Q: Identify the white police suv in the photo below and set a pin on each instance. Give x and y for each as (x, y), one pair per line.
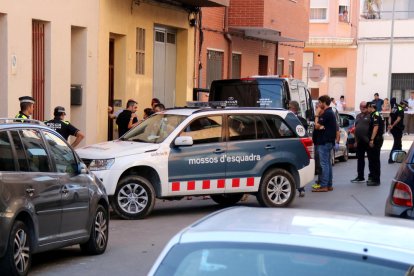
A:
(223, 153)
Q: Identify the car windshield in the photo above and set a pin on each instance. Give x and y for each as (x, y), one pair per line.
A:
(154, 129)
(265, 259)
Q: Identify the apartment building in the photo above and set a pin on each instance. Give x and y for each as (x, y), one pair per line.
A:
(331, 50)
(262, 37)
(385, 50)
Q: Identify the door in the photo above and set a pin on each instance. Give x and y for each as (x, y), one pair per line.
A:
(165, 59)
(214, 66)
(263, 65)
(337, 82)
(111, 87)
(75, 190)
(39, 182)
(200, 167)
(249, 142)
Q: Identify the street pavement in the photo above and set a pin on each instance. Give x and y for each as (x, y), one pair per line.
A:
(134, 245)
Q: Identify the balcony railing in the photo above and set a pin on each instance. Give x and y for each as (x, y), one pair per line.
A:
(387, 15)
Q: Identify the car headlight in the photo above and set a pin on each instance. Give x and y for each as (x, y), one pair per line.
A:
(101, 164)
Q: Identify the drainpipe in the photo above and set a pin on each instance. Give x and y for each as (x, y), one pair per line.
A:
(228, 37)
(277, 57)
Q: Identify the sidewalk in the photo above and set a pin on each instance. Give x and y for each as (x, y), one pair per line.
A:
(407, 140)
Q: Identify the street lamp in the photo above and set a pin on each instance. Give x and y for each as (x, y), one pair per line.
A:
(391, 49)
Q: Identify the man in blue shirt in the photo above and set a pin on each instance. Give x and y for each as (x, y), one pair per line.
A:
(378, 102)
(325, 123)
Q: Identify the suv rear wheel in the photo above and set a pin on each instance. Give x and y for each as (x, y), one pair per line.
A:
(277, 189)
(134, 198)
(227, 199)
(18, 256)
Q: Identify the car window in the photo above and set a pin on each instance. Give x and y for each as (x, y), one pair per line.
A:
(20, 151)
(35, 150)
(278, 127)
(247, 127)
(6, 153)
(61, 153)
(205, 130)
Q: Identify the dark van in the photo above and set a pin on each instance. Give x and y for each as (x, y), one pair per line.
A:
(263, 91)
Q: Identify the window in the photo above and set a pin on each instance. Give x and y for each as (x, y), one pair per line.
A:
(280, 67)
(140, 52)
(236, 66)
(343, 15)
(64, 159)
(278, 127)
(205, 130)
(6, 153)
(35, 150)
(214, 66)
(291, 68)
(20, 152)
(319, 10)
(338, 72)
(247, 127)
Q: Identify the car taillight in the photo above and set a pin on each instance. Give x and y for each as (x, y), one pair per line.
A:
(402, 195)
(308, 144)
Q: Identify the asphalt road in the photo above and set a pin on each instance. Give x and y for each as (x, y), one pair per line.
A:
(134, 245)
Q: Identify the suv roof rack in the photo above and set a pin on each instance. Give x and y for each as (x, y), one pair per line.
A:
(20, 120)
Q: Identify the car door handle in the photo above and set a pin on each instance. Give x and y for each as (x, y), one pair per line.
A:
(65, 190)
(219, 151)
(268, 147)
(30, 191)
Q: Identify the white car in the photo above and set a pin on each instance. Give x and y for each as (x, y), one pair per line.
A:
(223, 153)
(259, 241)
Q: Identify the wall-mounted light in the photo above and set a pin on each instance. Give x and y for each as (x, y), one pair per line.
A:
(192, 19)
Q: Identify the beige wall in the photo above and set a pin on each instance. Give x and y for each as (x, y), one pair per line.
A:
(59, 17)
(118, 21)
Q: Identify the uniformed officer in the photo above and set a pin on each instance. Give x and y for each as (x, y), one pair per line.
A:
(64, 128)
(26, 107)
(397, 126)
(375, 132)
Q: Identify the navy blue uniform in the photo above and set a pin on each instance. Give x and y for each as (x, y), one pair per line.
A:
(64, 128)
(374, 152)
(397, 130)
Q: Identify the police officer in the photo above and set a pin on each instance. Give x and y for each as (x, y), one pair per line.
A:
(64, 128)
(397, 126)
(375, 132)
(26, 107)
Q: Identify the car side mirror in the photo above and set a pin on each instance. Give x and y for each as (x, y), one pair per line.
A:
(398, 156)
(82, 169)
(183, 141)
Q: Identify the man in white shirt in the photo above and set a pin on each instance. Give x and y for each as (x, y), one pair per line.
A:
(411, 101)
(341, 105)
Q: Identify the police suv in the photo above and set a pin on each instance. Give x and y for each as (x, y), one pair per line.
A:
(222, 152)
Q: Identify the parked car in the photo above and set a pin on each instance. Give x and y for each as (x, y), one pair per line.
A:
(222, 152)
(257, 241)
(400, 198)
(349, 126)
(48, 198)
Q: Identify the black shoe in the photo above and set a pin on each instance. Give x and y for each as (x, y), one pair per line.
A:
(373, 183)
(358, 180)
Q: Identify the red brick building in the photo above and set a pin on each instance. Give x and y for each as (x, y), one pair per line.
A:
(251, 37)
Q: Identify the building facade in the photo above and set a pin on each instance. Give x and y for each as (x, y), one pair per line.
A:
(331, 49)
(251, 38)
(385, 49)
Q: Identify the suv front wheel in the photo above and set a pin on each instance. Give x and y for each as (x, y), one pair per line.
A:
(134, 198)
(277, 189)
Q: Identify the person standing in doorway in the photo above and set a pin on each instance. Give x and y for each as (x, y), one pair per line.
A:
(326, 122)
(361, 140)
(26, 107)
(397, 127)
(64, 128)
(376, 130)
(126, 117)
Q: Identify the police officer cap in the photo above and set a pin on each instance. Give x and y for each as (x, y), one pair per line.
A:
(27, 99)
(404, 102)
(59, 110)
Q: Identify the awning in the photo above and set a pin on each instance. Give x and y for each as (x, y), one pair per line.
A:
(262, 34)
(202, 3)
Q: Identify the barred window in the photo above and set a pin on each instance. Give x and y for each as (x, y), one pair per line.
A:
(140, 52)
